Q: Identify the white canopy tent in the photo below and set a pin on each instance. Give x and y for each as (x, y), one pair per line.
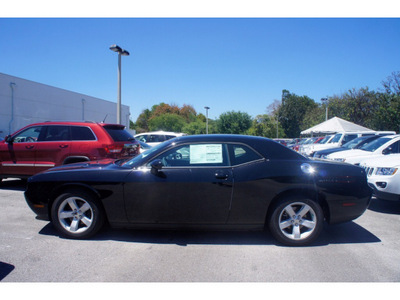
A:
(334, 125)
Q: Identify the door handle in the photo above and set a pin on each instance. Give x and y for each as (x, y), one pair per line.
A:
(29, 147)
(221, 175)
(63, 146)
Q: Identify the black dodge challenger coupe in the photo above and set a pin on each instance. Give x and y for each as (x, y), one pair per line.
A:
(204, 181)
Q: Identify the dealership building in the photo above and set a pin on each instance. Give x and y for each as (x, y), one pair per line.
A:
(24, 102)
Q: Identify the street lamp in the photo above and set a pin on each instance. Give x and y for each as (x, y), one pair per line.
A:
(120, 52)
(206, 108)
(326, 103)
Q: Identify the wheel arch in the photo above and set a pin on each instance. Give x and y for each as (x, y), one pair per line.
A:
(311, 194)
(74, 187)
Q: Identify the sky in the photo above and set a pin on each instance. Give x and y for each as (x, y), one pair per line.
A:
(228, 64)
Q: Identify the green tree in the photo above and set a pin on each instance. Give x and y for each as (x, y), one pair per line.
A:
(357, 106)
(292, 112)
(234, 122)
(167, 122)
(265, 125)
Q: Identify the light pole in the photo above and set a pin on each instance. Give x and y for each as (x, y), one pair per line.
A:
(206, 108)
(120, 52)
(326, 103)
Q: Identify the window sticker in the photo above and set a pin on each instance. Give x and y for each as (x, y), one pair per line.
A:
(206, 154)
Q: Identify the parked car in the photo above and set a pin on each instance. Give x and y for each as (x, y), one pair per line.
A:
(342, 138)
(384, 176)
(357, 143)
(385, 145)
(207, 182)
(156, 137)
(41, 146)
(323, 141)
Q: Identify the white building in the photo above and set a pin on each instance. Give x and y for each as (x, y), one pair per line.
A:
(23, 102)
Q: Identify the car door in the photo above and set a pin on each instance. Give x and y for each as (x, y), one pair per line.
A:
(193, 186)
(18, 154)
(52, 147)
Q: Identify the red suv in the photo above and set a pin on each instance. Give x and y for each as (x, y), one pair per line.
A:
(41, 146)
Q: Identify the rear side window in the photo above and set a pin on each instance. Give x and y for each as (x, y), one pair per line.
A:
(55, 133)
(119, 134)
(241, 154)
(80, 133)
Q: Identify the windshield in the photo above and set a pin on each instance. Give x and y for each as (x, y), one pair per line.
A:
(336, 138)
(355, 142)
(143, 155)
(325, 139)
(375, 144)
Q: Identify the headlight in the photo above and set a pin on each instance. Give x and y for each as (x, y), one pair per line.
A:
(386, 171)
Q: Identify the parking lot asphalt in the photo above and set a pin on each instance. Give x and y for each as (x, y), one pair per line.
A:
(365, 250)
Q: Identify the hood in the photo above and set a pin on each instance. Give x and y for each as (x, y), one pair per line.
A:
(96, 164)
(385, 161)
(348, 153)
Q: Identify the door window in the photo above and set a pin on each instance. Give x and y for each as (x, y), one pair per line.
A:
(195, 155)
(56, 133)
(29, 135)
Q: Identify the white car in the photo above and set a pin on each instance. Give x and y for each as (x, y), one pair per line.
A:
(341, 138)
(385, 145)
(156, 137)
(311, 148)
(383, 176)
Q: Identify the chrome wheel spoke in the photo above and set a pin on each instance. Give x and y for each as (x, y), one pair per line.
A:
(72, 203)
(296, 232)
(290, 211)
(74, 225)
(308, 224)
(85, 207)
(86, 221)
(304, 210)
(66, 214)
(285, 224)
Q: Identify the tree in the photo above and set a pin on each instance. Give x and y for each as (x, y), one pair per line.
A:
(233, 122)
(167, 122)
(357, 106)
(292, 112)
(265, 125)
(392, 84)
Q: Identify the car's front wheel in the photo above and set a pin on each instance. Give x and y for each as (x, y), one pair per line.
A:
(296, 222)
(77, 214)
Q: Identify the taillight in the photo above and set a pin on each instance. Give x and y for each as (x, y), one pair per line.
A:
(113, 149)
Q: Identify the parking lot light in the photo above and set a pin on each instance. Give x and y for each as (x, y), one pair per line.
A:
(120, 52)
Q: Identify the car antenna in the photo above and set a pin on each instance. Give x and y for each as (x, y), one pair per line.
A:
(105, 118)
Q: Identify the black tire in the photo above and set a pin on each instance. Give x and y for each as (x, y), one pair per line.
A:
(296, 221)
(76, 214)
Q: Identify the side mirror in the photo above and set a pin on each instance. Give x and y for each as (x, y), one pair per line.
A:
(8, 139)
(156, 164)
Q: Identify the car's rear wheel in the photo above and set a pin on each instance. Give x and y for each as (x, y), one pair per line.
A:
(296, 222)
(77, 214)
